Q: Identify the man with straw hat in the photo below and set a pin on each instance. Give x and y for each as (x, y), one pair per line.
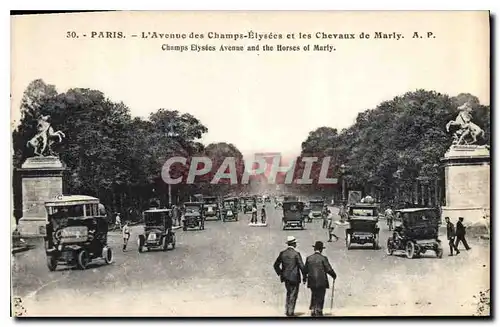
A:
(316, 269)
(288, 267)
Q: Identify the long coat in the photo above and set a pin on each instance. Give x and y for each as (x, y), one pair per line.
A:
(289, 265)
(316, 269)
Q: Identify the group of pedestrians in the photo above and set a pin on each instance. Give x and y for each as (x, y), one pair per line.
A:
(455, 236)
(263, 215)
(291, 270)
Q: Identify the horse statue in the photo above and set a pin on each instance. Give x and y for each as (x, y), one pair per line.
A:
(466, 128)
(45, 137)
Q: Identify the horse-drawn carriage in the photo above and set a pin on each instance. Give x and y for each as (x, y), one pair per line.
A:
(417, 233)
(76, 232)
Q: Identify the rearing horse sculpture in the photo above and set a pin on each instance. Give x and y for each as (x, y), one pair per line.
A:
(466, 127)
(45, 137)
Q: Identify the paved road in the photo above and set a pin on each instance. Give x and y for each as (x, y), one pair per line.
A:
(226, 270)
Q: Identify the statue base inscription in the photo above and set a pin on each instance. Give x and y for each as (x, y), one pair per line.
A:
(467, 184)
(42, 180)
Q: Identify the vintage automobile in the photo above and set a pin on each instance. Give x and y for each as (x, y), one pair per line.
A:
(292, 214)
(250, 201)
(316, 207)
(363, 225)
(417, 233)
(230, 209)
(158, 230)
(193, 216)
(211, 207)
(76, 232)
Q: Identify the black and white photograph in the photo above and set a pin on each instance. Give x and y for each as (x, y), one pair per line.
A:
(290, 164)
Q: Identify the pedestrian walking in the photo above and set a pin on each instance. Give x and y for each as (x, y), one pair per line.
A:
(126, 235)
(460, 231)
(289, 267)
(325, 214)
(254, 214)
(316, 271)
(331, 228)
(263, 214)
(118, 221)
(450, 234)
(389, 216)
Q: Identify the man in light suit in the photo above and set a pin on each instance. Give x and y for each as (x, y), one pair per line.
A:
(288, 267)
(316, 269)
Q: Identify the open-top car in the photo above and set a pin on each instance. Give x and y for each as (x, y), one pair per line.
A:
(316, 209)
(158, 230)
(76, 232)
(292, 214)
(363, 225)
(249, 202)
(230, 209)
(417, 233)
(211, 207)
(193, 216)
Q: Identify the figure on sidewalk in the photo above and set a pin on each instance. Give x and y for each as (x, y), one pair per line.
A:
(450, 234)
(460, 231)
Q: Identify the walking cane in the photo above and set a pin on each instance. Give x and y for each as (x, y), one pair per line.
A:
(331, 299)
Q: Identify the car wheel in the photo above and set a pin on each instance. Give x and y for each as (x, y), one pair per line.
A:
(83, 259)
(51, 262)
(410, 250)
(389, 247)
(348, 241)
(107, 254)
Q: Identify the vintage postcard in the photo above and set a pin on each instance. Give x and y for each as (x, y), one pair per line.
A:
(249, 164)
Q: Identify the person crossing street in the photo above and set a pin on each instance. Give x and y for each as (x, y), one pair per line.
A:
(450, 234)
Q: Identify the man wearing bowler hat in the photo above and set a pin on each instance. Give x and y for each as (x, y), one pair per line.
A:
(288, 267)
(316, 269)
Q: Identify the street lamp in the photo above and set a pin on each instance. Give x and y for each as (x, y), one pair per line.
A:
(343, 169)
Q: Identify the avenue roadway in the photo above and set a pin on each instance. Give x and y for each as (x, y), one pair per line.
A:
(226, 270)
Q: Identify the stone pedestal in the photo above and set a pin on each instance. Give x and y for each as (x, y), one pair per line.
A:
(42, 180)
(467, 184)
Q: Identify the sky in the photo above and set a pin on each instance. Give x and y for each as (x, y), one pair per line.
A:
(265, 102)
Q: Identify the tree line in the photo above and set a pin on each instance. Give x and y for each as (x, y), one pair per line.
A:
(119, 158)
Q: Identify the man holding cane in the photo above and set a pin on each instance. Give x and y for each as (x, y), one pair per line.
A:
(316, 269)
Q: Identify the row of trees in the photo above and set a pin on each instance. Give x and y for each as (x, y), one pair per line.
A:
(119, 158)
(399, 142)
(110, 154)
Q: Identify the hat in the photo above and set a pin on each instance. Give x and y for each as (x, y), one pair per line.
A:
(318, 245)
(291, 240)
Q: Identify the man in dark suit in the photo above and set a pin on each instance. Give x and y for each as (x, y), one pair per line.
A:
(315, 273)
(461, 234)
(288, 267)
(450, 235)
